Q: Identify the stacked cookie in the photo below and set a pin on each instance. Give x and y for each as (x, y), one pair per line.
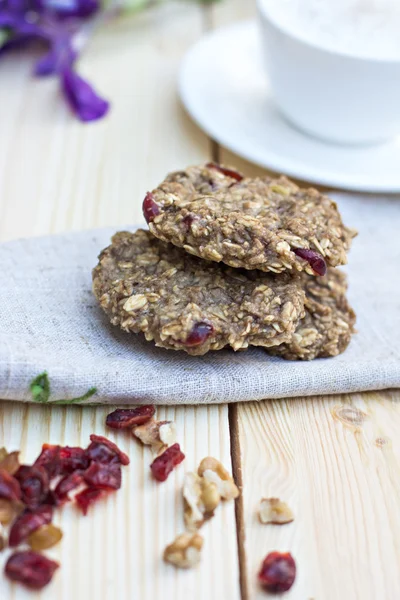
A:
(231, 261)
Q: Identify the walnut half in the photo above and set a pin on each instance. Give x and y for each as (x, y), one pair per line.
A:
(201, 498)
(214, 472)
(157, 434)
(185, 551)
(273, 510)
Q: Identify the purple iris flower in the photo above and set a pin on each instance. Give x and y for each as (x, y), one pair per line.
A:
(55, 22)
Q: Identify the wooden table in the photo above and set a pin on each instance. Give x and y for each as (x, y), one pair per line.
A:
(333, 459)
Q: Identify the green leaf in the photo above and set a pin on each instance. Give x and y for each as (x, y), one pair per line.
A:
(40, 388)
(88, 394)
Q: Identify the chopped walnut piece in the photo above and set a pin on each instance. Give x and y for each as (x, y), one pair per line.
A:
(158, 434)
(9, 510)
(201, 498)
(213, 471)
(273, 510)
(9, 461)
(185, 550)
(45, 537)
(3, 543)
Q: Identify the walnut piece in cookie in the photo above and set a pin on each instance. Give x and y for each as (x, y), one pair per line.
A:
(269, 224)
(185, 550)
(328, 325)
(184, 303)
(273, 510)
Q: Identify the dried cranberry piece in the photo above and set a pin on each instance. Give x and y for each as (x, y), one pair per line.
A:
(128, 417)
(34, 482)
(87, 497)
(28, 522)
(51, 499)
(150, 208)
(73, 459)
(104, 451)
(103, 476)
(9, 486)
(315, 260)
(59, 460)
(200, 333)
(188, 220)
(162, 466)
(67, 484)
(227, 172)
(49, 458)
(278, 572)
(31, 569)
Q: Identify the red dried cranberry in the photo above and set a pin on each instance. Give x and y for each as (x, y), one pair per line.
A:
(9, 486)
(34, 482)
(200, 333)
(162, 466)
(87, 497)
(28, 522)
(278, 572)
(227, 172)
(104, 451)
(103, 476)
(150, 207)
(59, 460)
(51, 499)
(315, 260)
(128, 417)
(67, 484)
(188, 220)
(31, 569)
(72, 459)
(49, 458)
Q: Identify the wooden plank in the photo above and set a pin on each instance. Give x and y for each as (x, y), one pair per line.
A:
(116, 551)
(335, 460)
(57, 174)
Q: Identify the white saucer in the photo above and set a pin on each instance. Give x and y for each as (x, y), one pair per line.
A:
(223, 86)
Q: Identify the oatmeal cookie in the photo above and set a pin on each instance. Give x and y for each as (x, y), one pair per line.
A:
(184, 303)
(328, 325)
(269, 224)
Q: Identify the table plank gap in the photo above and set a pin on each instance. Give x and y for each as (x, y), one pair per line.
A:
(239, 507)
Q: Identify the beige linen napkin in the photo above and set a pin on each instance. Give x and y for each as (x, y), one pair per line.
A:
(49, 321)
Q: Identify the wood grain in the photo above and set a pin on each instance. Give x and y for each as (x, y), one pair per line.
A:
(335, 460)
(115, 552)
(337, 468)
(57, 174)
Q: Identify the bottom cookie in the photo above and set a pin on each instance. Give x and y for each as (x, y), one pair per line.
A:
(328, 325)
(184, 303)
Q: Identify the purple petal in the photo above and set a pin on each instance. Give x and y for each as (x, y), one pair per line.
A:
(59, 56)
(8, 20)
(81, 97)
(72, 8)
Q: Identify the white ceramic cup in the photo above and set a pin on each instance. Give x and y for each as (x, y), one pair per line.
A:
(331, 95)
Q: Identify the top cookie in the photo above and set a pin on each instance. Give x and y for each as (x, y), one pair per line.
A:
(268, 224)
